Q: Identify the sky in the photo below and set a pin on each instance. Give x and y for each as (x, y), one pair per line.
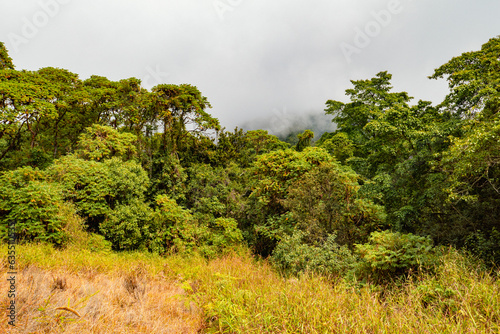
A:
(260, 63)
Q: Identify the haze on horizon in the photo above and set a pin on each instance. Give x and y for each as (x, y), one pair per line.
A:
(255, 61)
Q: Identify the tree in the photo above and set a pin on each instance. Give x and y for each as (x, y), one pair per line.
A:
(395, 147)
(179, 107)
(5, 60)
(472, 162)
(360, 119)
(337, 144)
(100, 142)
(474, 80)
(26, 100)
(326, 201)
(304, 140)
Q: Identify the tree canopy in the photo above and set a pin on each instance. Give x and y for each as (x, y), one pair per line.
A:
(153, 170)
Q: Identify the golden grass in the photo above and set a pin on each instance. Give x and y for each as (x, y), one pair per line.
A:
(74, 291)
(240, 296)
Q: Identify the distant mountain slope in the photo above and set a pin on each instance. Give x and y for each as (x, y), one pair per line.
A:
(286, 125)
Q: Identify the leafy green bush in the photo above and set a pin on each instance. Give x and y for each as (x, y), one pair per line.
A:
(33, 204)
(222, 234)
(125, 226)
(292, 255)
(97, 188)
(172, 228)
(389, 255)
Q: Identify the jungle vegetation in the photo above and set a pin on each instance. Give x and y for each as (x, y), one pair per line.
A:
(111, 166)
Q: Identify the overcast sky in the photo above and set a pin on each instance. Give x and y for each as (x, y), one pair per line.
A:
(260, 59)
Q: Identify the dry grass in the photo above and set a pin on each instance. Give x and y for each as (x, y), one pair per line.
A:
(240, 296)
(81, 292)
(66, 299)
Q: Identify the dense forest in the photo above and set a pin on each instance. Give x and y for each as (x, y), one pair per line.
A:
(113, 165)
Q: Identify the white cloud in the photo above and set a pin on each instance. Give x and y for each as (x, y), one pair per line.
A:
(263, 55)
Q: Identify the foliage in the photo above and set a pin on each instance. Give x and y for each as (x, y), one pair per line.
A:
(294, 255)
(77, 236)
(473, 79)
(274, 173)
(484, 245)
(216, 191)
(33, 205)
(305, 139)
(126, 226)
(24, 104)
(98, 188)
(223, 235)
(337, 144)
(389, 255)
(154, 170)
(325, 200)
(100, 142)
(472, 161)
(5, 60)
(260, 142)
(174, 229)
(167, 176)
(473, 166)
(171, 228)
(177, 107)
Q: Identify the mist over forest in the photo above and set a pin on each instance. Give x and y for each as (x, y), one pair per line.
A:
(287, 125)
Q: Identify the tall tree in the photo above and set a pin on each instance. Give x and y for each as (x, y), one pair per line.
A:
(474, 80)
(181, 109)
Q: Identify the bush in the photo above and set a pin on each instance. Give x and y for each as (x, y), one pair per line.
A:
(222, 234)
(33, 204)
(389, 255)
(125, 226)
(97, 188)
(172, 227)
(292, 255)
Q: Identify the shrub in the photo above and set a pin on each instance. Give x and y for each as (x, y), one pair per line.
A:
(33, 204)
(125, 225)
(172, 227)
(292, 255)
(97, 188)
(222, 234)
(78, 237)
(389, 255)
